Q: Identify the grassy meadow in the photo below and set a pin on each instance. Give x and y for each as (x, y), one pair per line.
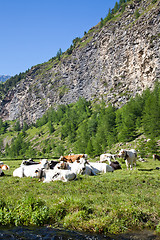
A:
(109, 203)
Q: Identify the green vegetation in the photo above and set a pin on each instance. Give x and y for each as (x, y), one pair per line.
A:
(73, 45)
(85, 127)
(59, 54)
(10, 83)
(137, 14)
(119, 7)
(109, 203)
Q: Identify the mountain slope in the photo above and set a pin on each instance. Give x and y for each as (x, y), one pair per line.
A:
(114, 62)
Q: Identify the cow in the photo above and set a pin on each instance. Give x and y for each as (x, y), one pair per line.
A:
(49, 175)
(29, 162)
(65, 176)
(64, 171)
(97, 168)
(114, 164)
(107, 156)
(155, 156)
(130, 157)
(4, 166)
(30, 171)
(72, 158)
(78, 166)
(52, 164)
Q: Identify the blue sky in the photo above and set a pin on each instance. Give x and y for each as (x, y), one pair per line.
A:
(32, 31)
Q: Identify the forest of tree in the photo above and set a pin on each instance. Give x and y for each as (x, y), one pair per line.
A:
(92, 128)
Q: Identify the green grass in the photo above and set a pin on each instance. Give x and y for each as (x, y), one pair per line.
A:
(112, 202)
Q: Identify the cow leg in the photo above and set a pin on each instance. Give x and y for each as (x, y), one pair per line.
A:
(127, 164)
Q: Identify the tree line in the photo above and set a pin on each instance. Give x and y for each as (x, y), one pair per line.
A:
(91, 128)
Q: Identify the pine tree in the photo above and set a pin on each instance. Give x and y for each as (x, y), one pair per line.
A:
(17, 126)
(59, 53)
(116, 7)
(137, 14)
(51, 128)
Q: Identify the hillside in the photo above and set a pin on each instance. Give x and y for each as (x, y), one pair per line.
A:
(115, 60)
(84, 127)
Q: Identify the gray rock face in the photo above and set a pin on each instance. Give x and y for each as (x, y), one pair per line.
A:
(114, 63)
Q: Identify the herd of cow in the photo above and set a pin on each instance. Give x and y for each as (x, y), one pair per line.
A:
(67, 167)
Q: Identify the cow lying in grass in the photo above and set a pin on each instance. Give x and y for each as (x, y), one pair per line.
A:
(114, 164)
(72, 158)
(111, 158)
(107, 156)
(29, 170)
(29, 162)
(64, 171)
(4, 166)
(97, 168)
(50, 175)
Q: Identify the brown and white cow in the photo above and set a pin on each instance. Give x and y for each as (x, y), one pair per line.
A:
(72, 158)
(4, 166)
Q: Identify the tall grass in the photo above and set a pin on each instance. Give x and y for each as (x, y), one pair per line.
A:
(109, 203)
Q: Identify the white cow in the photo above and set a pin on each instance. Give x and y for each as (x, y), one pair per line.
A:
(30, 170)
(107, 156)
(63, 171)
(130, 157)
(78, 166)
(57, 175)
(97, 168)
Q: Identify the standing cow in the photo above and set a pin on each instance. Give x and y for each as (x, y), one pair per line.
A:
(130, 157)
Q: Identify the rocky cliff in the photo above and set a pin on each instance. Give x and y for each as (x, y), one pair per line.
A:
(113, 62)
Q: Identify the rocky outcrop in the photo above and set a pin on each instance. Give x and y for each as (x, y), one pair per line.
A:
(114, 62)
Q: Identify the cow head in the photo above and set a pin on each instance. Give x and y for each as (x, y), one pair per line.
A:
(80, 165)
(123, 154)
(62, 165)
